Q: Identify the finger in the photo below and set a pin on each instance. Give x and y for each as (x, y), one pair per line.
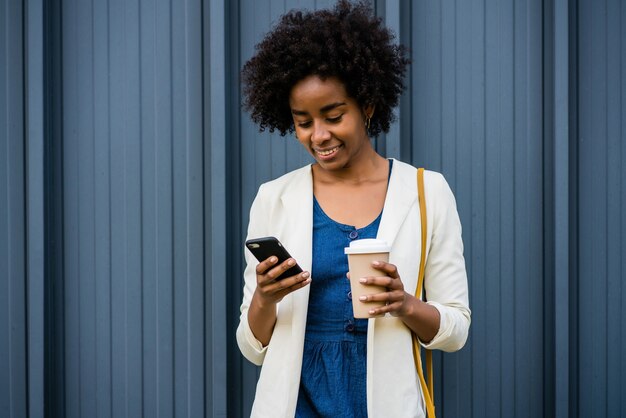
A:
(286, 284)
(380, 281)
(387, 297)
(391, 308)
(291, 281)
(266, 264)
(278, 270)
(302, 282)
(390, 269)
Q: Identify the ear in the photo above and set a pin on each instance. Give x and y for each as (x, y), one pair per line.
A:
(368, 111)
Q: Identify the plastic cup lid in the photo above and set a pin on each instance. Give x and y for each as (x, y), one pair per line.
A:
(367, 245)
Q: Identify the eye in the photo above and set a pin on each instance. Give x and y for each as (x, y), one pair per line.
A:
(304, 124)
(335, 119)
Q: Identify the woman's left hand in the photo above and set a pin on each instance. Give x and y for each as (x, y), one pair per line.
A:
(397, 300)
(420, 317)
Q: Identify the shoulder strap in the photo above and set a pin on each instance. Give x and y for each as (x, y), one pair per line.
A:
(427, 389)
(421, 196)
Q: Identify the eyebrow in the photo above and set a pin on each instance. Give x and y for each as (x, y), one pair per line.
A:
(324, 109)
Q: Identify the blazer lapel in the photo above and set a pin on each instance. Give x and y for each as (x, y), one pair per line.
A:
(401, 195)
(297, 201)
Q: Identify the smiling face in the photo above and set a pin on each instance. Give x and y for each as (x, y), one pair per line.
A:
(329, 123)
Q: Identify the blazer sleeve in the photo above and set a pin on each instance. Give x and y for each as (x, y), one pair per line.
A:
(249, 345)
(445, 279)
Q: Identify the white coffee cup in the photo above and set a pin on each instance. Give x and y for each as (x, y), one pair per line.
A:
(361, 253)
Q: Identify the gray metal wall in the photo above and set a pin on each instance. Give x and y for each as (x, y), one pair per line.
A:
(127, 168)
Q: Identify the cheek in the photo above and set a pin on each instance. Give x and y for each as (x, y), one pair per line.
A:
(350, 131)
(302, 138)
(299, 135)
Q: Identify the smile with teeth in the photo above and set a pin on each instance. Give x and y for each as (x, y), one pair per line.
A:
(327, 152)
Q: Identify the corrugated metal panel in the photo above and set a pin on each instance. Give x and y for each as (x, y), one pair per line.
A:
(54, 361)
(217, 189)
(559, 101)
(133, 209)
(601, 183)
(35, 243)
(13, 348)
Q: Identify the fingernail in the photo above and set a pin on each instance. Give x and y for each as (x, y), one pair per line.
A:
(273, 259)
(305, 274)
(376, 263)
(363, 298)
(363, 280)
(371, 312)
(291, 262)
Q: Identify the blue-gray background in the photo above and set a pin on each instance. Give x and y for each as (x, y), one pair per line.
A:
(127, 169)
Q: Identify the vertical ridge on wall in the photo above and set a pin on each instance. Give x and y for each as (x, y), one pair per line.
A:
(216, 195)
(13, 326)
(622, 204)
(574, 176)
(123, 223)
(616, 193)
(601, 192)
(557, 235)
(54, 368)
(593, 137)
(156, 174)
(79, 286)
(34, 175)
(239, 393)
(102, 212)
(531, 229)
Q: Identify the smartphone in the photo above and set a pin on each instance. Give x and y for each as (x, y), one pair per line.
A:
(263, 248)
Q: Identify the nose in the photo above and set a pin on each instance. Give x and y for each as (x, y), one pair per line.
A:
(320, 133)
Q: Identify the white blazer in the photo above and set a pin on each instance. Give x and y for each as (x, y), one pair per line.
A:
(284, 208)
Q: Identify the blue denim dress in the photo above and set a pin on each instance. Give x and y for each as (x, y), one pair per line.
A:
(333, 379)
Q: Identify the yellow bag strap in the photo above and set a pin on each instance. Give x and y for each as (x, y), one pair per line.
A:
(421, 197)
(427, 389)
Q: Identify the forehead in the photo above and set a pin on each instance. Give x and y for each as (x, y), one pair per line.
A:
(313, 91)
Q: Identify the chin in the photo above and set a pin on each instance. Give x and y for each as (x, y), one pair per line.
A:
(332, 165)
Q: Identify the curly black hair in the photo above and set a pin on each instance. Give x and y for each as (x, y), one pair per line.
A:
(347, 42)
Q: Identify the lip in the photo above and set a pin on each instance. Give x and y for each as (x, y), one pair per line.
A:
(327, 153)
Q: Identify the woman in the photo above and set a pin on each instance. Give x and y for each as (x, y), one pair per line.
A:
(333, 78)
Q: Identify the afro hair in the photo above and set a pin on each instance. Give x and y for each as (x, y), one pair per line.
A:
(347, 42)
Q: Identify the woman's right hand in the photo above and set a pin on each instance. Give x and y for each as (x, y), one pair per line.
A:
(269, 291)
